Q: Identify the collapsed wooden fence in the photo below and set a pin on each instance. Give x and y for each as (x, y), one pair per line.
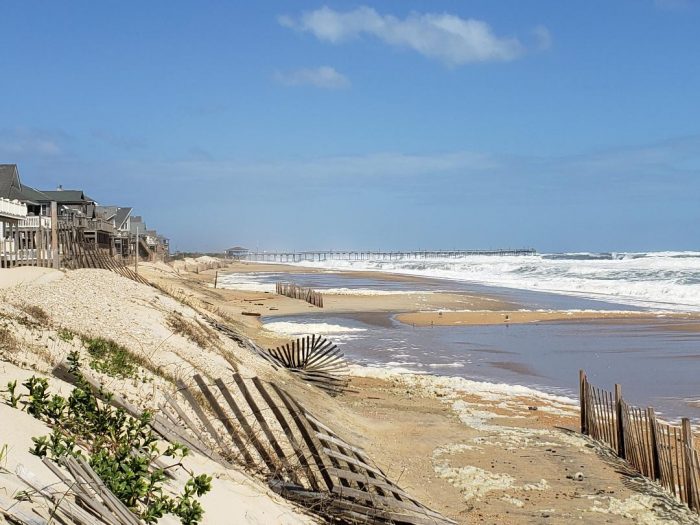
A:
(299, 292)
(313, 358)
(657, 450)
(256, 424)
(80, 497)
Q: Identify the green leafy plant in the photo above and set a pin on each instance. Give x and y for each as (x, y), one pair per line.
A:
(12, 399)
(121, 449)
(111, 358)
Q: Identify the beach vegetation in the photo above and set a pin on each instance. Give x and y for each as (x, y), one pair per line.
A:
(3, 457)
(121, 449)
(8, 342)
(66, 335)
(186, 328)
(38, 313)
(111, 358)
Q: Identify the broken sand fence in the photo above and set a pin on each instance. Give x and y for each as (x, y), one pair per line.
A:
(299, 292)
(80, 498)
(313, 359)
(657, 450)
(258, 425)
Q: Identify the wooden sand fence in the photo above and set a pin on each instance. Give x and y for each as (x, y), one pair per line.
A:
(251, 423)
(657, 450)
(299, 292)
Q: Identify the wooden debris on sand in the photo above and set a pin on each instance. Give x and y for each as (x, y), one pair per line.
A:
(78, 498)
(259, 425)
(316, 360)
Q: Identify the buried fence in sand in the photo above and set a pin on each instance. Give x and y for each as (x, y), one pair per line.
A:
(298, 292)
(657, 450)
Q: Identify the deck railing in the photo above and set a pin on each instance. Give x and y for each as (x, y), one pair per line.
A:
(35, 222)
(12, 209)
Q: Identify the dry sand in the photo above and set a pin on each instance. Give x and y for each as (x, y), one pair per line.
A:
(474, 451)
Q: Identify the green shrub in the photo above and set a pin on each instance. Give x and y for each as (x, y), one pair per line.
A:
(122, 450)
(109, 357)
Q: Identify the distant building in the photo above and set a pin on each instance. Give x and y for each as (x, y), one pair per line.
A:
(237, 252)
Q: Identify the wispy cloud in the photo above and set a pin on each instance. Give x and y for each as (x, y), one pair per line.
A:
(324, 77)
(543, 37)
(448, 38)
(24, 142)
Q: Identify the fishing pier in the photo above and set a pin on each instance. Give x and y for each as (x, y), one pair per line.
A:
(344, 255)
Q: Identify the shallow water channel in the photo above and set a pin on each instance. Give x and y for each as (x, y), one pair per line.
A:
(657, 362)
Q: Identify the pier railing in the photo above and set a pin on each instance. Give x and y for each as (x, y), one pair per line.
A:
(657, 450)
(345, 255)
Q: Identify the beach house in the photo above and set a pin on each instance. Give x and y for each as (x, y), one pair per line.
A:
(26, 223)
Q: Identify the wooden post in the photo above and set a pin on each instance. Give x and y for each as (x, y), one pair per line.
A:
(216, 279)
(687, 435)
(654, 443)
(582, 401)
(54, 235)
(618, 422)
(136, 252)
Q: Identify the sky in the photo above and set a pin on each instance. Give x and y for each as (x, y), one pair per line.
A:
(561, 126)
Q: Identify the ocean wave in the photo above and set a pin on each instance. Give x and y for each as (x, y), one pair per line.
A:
(668, 280)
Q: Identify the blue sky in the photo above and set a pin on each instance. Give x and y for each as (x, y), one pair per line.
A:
(564, 126)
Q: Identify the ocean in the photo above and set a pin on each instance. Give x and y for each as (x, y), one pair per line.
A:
(657, 361)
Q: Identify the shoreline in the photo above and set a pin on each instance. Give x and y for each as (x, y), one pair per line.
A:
(472, 450)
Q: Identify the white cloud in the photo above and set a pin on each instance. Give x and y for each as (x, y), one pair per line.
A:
(22, 142)
(448, 38)
(324, 77)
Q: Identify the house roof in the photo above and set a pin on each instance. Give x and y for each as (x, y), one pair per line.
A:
(237, 249)
(106, 212)
(11, 186)
(68, 196)
(121, 216)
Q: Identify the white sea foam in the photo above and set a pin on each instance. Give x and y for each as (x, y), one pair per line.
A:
(484, 389)
(667, 280)
(287, 328)
(244, 281)
(369, 291)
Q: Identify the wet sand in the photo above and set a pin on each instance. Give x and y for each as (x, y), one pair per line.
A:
(450, 318)
(476, 454)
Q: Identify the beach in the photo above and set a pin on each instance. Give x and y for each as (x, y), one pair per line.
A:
(454, 430)
(475, 451)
